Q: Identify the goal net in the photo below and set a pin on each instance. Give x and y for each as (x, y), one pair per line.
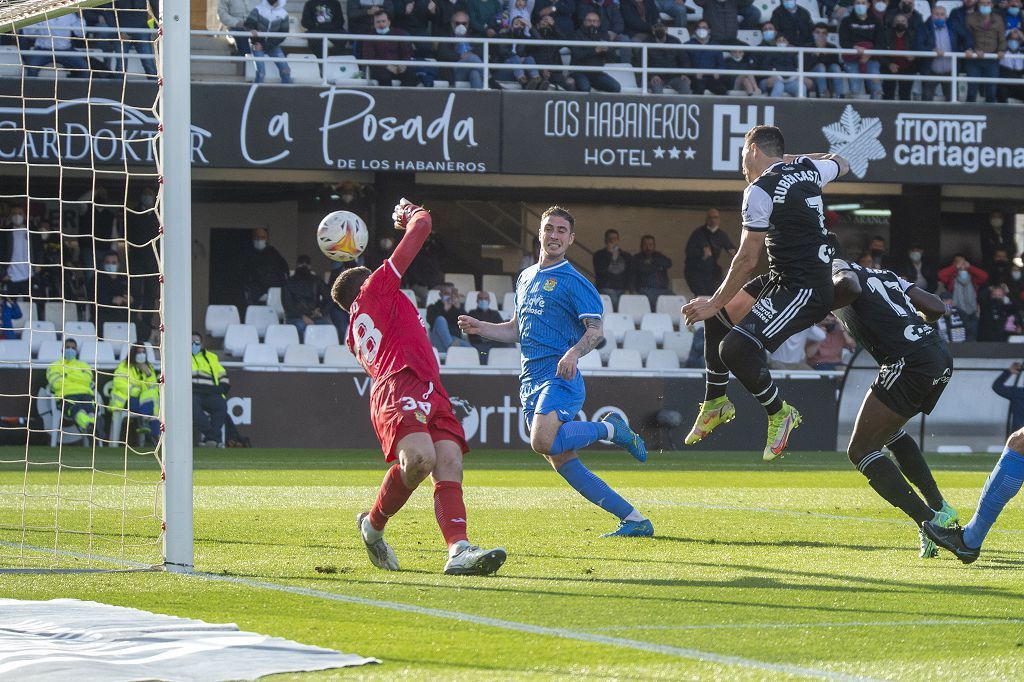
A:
(82, 363)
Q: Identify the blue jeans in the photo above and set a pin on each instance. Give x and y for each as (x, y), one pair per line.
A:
(209, 410)
(143, 48)
(780, 87)
(282, 66)
(981, 68)
(838, 84)
(857, 84)
(152, 426)
(474, 76)
(78, 66)
(675, 10)
(441, 337)
(517, 74)
(598, 80)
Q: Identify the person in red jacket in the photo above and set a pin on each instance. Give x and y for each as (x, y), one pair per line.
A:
(963, 280)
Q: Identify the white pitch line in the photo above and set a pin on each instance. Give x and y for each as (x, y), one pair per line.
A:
(563, 633)
(803, 626)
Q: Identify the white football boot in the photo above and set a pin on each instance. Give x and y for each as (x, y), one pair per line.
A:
(471, 560)
(381, 554)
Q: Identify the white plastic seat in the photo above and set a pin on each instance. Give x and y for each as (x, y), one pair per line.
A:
(471, 299)
(662, 359)
(433, 296)
(50, 351)
(280, 336)
(301, 356)
(606, 302)
(339, 356)
(497, 284)
(218, 317)
(96, 353)
(680, 31)
(261, 317)
(79, 329)
(305, 68)
(641, 341)
(624, 74)
(119, 335)
(274, 302)
(625, 359)
(616, 325)
(461, 356)
(464, 282)
(507, 305)
(59, 313)
(673, 307)
(320, 336)
(258, 355)
(658, 324)
(590, 361)
(15, 350)
(504, 358)
(751, 37)
(238, 337)
(343, 70)
(679, 342)
(41, 331)
(636, 305)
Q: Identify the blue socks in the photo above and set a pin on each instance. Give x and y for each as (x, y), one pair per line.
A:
(576, 435)
(1003, 483)
(590, 486)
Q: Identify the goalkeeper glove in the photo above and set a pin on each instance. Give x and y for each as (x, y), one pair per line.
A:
(404, 212)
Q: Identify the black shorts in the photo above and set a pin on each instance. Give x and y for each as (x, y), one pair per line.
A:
(913, 384)
(780, 311)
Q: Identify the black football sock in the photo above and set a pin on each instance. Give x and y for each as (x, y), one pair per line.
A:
(716, 378)
(748, 361)
(885, 477)
(911, 462)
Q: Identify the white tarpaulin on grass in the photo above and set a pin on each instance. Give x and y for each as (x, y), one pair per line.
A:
(68, 639)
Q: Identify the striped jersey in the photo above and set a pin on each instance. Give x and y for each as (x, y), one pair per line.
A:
(882, 318)
(550, 306)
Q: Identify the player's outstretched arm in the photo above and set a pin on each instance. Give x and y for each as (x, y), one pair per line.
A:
(416, 222)
(743, 263)
(844, 165)
(502, 332)
(928, 305)
(591, 339)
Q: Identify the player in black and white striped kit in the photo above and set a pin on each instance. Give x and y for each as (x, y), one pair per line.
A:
(888, 315)
(782, 212)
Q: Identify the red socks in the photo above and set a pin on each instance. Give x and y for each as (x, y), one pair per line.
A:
(391, 497)
(450, 511)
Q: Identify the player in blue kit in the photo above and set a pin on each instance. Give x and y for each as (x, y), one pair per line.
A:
(557, 320)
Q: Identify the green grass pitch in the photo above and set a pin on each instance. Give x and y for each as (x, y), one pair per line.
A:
(794, 570)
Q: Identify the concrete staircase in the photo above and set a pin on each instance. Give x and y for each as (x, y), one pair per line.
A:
(218, 71)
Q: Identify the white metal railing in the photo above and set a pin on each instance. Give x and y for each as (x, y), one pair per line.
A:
(488, 66)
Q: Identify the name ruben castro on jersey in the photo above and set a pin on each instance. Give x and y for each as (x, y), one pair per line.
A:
(788, 180)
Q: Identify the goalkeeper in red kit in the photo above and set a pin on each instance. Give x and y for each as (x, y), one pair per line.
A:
(409, 407)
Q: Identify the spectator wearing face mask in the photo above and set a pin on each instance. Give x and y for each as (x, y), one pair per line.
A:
(485, 312)
(876, 250)
(916, 271)
(793, 22)
(393, 51)
(997, 314)
(517, 53)
(73, 385)
(562, 12)
(443, 319)
(994, 238)
(612, 25)
(706, 59)
(899, 36)
(704, 248)
(210, 386)
(1000, 268)
(963, 281)
(988, 30)
(862, 30)
(1014, 393)
(939, 37)
(592, 56)
(828, 354)
(825, 61)
(1012, 66)
(722, 18)
(264, 267)
(136, 387)
(666, 59)
(112, 295)
(270, 16)
(907, 9)
(360, 14)
(462, 53)
(612, 268)
(744, 65)
(780, 59)
(1011, 14)
(304, 297)
(14, 254)
(549, 53)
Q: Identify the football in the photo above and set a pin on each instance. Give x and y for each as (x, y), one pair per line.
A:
(342, 236)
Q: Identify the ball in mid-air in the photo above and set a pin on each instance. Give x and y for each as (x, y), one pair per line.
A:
(342, 236)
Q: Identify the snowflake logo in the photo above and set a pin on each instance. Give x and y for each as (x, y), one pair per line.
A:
(856, 140)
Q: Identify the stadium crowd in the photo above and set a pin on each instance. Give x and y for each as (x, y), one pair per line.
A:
(978, 28)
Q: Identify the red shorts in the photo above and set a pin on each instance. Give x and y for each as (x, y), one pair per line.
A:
(405, 404)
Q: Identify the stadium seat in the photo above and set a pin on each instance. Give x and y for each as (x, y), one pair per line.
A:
(437, 356)
(258, 356)
(606, 302)
(671, 306)
(590, 361)
(60, 313)
(261, 317)
(50, 351)
(623, 73)
(924, 8)
(280, 336)
(41, 331)
(751, 37)
(641, 341)
(422, 312)
(680, 31)
(411, 295)
(812, 8)
(320, 336)
(274, 302)
(461, 356)
(616, 325)
(15, 350)
(662, 359)
(79, 330)
(238, 337)
(625, 359)
(339, 356)
(343, 70)
(1016, 338)
(636, 305)
(504, 358)
(472, 296)
(218, 317)
(766, 7)
(119, 335)
(301, 356)
(464, 282)
(497, 284)
(150, 354)
(658, 324)
(305, 68)
(10, 62)
(96, 353)
(680, 343)
(433, 296)
(507, 303)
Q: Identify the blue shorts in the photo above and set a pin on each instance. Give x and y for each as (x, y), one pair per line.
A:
(554, 395)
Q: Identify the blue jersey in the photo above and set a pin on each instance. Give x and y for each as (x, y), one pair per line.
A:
(551, 304)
